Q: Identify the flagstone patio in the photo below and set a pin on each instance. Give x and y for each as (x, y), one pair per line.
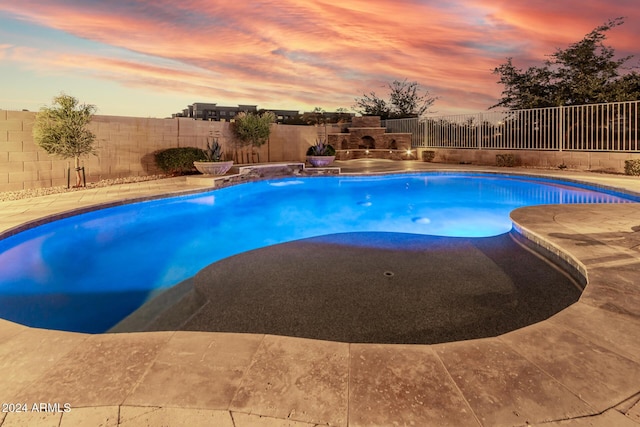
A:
(581, 367)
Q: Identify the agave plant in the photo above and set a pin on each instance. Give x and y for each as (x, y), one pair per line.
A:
(321, 149)
(213, 152)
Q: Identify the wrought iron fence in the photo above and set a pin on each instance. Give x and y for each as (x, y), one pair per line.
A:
(596, 127)
(413, 126)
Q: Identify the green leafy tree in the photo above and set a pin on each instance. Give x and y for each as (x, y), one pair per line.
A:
(253, 129)
(61, 130)
(525, 89)
(627, 87)
(406, 99)
(584, 73)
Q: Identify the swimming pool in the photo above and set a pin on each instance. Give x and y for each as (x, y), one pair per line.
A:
(87, 272)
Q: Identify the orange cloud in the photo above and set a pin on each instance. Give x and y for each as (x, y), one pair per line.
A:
(293, 54)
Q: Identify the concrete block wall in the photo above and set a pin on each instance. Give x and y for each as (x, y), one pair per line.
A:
(20, 160)
(579, 160)
(289, 143)
(125, 147)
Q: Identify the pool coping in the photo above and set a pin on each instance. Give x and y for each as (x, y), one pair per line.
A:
(575, 365)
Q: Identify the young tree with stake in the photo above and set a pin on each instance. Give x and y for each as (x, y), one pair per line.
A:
(61, 130)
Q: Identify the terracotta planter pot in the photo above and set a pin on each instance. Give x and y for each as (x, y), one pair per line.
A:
(320, 161)
(213, 168)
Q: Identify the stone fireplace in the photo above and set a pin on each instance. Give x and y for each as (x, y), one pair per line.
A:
(366, 138)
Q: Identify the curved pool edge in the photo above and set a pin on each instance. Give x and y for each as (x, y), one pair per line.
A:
(188, 190)
(581, 362)
(548, 250)
(90, 207)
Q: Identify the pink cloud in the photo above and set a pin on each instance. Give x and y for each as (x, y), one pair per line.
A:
(295, 54)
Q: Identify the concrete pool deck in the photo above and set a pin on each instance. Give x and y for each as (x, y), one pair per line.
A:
(581, 367)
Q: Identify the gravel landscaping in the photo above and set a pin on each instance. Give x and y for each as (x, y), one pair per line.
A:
(36, 192)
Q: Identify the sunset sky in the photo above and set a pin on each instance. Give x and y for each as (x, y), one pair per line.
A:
(151, 58)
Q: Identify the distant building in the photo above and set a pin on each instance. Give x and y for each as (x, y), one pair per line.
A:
(322, 117)
(283, 116)
(215, 112)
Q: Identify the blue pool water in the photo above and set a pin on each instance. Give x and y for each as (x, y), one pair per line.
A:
(87, 272)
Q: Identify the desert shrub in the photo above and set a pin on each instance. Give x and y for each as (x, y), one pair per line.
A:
(632, 167)
(178, 161)
(505, 160)
(428, 155)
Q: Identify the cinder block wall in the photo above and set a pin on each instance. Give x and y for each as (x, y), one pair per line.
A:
(20, 160)
(289, 143)
(125, 147)
(594, 161)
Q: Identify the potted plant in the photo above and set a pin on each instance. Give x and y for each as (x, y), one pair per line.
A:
(321, 154)
(212, 163)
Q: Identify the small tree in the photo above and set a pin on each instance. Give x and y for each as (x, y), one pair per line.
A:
(61, 130)
(253, 129)
(405, 100)
(372, 105)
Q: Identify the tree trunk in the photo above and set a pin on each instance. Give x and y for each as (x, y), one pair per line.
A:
(77, 165)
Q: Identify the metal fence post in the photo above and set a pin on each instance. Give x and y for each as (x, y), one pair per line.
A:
(479, 134)
(561, 139)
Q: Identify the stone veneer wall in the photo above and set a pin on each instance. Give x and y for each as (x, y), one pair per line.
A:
(366, 122)
(370, 127)
(125, 147)
(580, 160)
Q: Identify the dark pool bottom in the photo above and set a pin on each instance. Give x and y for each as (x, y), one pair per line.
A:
(380, 288)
